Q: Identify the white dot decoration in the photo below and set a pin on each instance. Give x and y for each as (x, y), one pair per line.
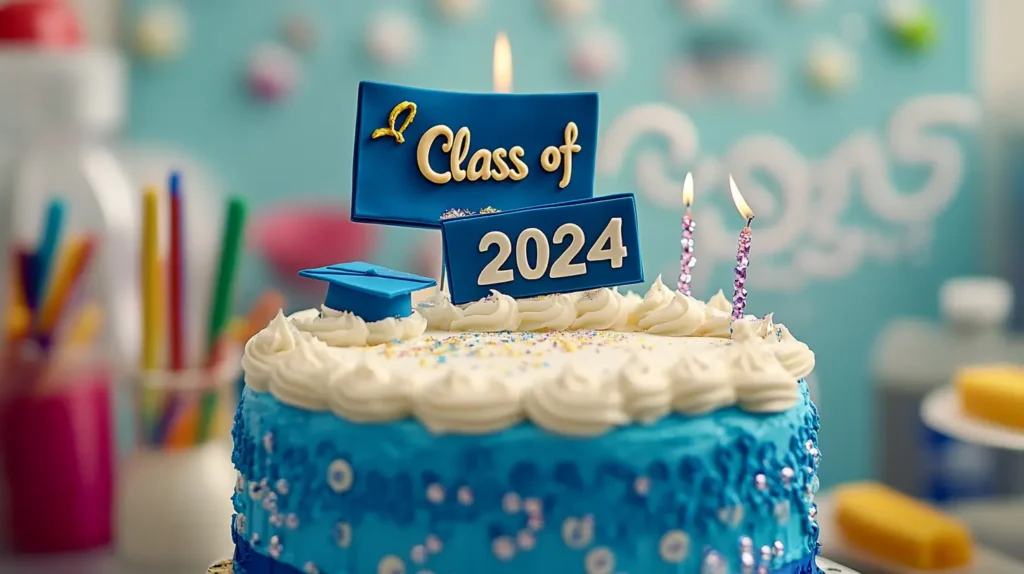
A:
(458, 9)
(391, 565)
(596, 53)
(569, 10)
(526, 540)
(273, 72)
(599, 561)
(674, 546)
(161, 32)
(511, 503)
(504, 549)
(339, 476)
(830, 66)
(240, 523)
(343, 534)
(731, 515)
(577, 533)
(392, 38)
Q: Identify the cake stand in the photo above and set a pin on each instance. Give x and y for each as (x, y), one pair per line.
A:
(941, 412)
(826, 566)
(992, 520)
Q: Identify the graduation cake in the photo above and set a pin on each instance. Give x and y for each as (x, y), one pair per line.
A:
(535, 421)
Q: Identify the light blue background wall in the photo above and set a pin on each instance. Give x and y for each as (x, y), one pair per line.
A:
(302, 147)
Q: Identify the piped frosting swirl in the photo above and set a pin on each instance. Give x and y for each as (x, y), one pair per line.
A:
(345, 329)
(599, 310)
(468, 402)
(264, 350)
(701, 384)
(646, 392)
(762, 384)
(494, 313)
(301, 378)
(576, 404)
(439, 311)
(370, 393)
(681, 316)
(547, 313)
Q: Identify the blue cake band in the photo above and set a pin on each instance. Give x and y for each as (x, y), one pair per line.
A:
(249, 561)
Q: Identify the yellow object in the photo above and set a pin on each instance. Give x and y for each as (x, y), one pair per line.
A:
(238, 330)
(899, 529)
(184, 429)
(151, 296)
(87, 326)
(993, 393)
(18, 322)
(69, 269)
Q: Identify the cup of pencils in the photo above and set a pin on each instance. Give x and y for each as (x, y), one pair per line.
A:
(56, 438)
(174, 498)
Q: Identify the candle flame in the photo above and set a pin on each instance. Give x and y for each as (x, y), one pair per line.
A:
(688, 190)
(741, 204)
(502, 67)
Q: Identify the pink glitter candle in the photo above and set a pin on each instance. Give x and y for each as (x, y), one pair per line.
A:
(739, 289)
(686, 258)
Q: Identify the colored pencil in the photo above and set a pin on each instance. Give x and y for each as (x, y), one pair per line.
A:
(68, 277)
(231, 250)
(49, 243)
(177, 264)
(151, 304)
(85, 327)
(174, 401)
(27, 271)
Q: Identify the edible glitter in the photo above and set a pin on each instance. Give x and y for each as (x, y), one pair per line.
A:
(787, 476)
(511, 503)
(434, 544)
(435, 493)
(761, 482)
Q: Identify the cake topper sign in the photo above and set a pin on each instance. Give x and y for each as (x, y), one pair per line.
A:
(419, 152)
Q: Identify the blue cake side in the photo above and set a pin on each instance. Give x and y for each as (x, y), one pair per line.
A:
(724, 492)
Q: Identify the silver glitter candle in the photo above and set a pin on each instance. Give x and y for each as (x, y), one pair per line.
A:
(686, 258)
(739, 284)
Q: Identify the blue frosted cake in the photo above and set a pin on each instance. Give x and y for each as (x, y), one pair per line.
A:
(596, 433)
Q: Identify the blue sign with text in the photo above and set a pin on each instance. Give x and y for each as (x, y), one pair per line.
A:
(420, 153)
(560, 248)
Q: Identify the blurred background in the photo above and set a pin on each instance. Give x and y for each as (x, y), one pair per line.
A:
(877, 140)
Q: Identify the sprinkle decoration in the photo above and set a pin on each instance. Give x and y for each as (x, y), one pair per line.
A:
(739, 290)
(686, 259)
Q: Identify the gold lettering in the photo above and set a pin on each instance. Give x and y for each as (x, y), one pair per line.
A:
(390, 131)
(479, 166)
(460, 149)
(519, 171)
(423, 153)
(498, 157)
(552, 157)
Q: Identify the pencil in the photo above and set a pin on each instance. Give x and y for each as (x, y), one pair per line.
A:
(231, 250)
(151, 304)
(176, 265)
(69, 272)
(49, 243)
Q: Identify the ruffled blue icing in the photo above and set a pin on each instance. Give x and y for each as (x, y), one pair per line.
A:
(319, 494)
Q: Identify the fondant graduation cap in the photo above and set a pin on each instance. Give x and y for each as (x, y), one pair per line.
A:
(369, 291)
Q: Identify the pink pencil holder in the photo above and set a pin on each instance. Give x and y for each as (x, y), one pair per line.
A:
(56, 446)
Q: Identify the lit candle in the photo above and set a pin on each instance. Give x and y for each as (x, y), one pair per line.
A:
(739, 290)
(502, 65)
(686, 258)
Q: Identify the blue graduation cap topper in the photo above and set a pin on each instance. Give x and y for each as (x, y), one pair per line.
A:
(369, 291)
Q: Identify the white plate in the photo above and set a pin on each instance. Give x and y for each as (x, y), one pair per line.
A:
(941, 411)
(832, 544)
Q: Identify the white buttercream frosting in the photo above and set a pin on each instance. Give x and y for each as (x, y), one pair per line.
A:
(762, 384)
(576, 403)
(439, 311)
(396, 329)
(716, 323)
(336, 328)
(701, 384)
(747, 330)
(680, 317)
(599, 310)
(657, 297)
(491, 314)
(795, 356)
(301, 377)
(719, 302)
(547, 313)
(646, 392)
(371, 392)
(345, 329)
(468, 402)
(264, 350)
